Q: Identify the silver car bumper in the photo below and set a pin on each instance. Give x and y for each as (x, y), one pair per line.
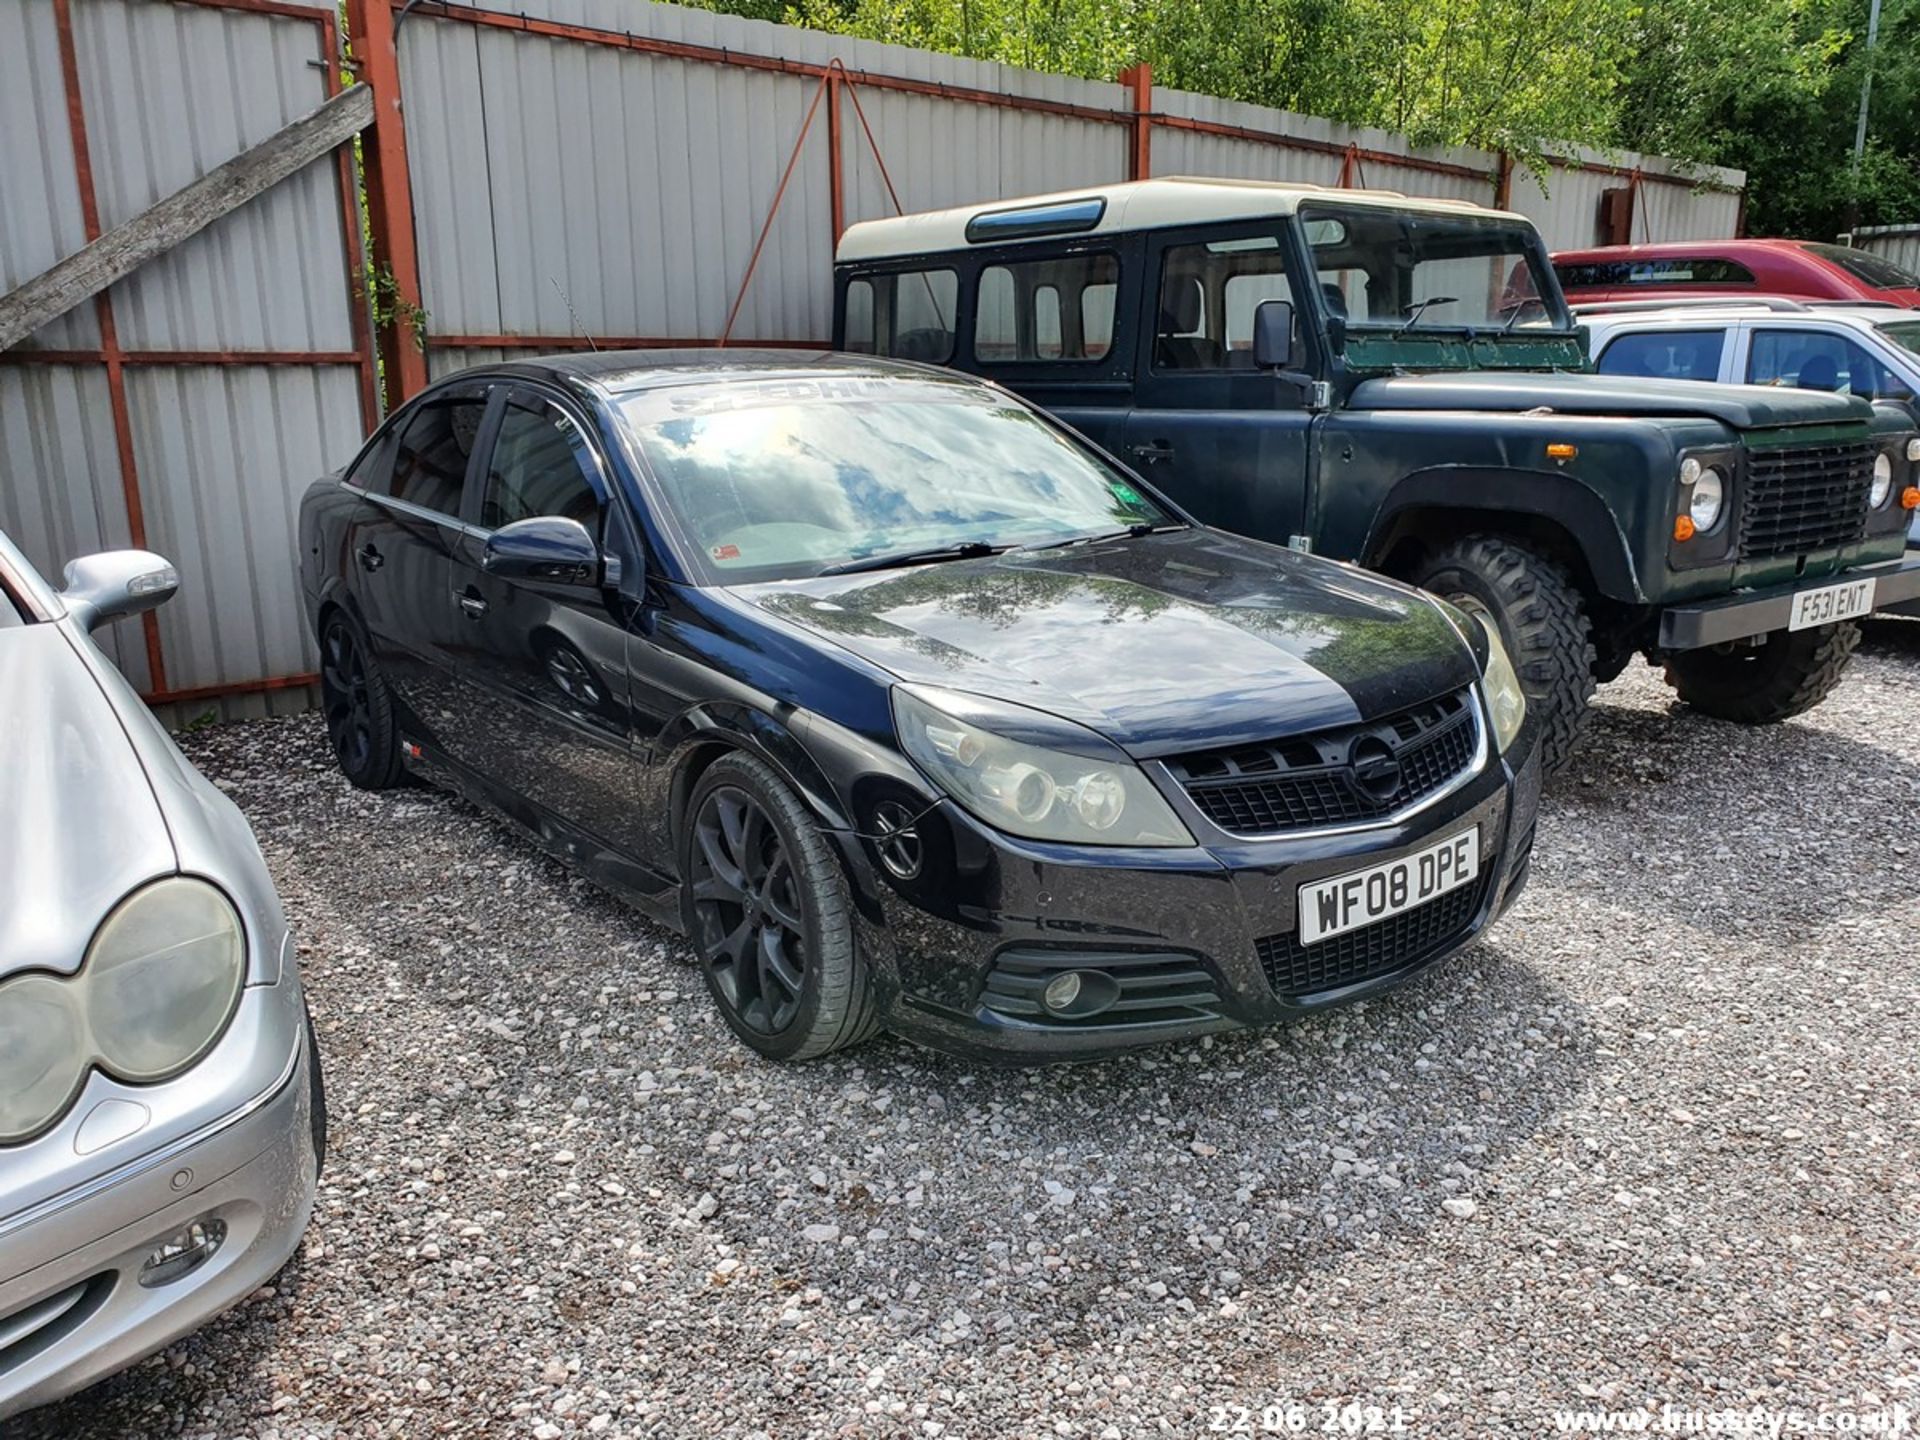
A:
(72, 1309)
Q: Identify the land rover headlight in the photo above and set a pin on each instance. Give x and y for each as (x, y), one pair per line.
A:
(1084, 792)
(1708, 498)
(162, 977)
(1882, 479)
(1506, 701)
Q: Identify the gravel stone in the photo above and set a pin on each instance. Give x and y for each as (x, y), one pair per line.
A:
(1675, 1088)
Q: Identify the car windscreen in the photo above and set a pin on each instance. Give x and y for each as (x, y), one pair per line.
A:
(1865, 266)
(779, 479)
(1414, 270)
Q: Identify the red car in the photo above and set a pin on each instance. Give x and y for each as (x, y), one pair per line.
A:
(1800, 269)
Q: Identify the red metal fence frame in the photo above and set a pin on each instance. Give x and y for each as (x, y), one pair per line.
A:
(402, 354)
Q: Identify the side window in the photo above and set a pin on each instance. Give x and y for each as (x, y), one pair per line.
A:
(430, 462)
(1208, 294)
(859, 326)
(1665, 355)
(540, 466)
(1056, 309)
(1813, 360)
(375, 466)
(909, 315)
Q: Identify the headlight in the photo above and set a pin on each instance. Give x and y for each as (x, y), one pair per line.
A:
(1506, 701)
(1099, 798)
(1708, 499)
(1882, 479)
(161, 977)
(157, 987)
(1913, 450)
(43, 1053)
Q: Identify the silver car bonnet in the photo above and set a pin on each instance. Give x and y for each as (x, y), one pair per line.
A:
(83, 824)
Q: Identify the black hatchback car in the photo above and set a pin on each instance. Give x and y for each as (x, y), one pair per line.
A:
(908, 705)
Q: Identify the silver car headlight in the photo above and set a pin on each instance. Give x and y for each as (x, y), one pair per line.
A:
(155, 992)
(1882, 479)
(1023, 788)
(162, 977)
(1506, 701)
(44, 1053)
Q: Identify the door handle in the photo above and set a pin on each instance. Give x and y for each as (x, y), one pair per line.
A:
(474, 605)
(1152, 451)
(370, 557)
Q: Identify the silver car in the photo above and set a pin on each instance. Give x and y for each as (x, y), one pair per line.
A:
(161, 1116)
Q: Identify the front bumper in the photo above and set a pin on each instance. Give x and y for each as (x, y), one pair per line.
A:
(1207, 930)
(1741, 616)
(72, 1310)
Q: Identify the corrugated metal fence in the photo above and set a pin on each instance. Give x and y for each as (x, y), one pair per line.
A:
(1897, 243)
(538, 170)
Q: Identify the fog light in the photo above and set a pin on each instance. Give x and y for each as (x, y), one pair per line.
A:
(1061, 992)
(1910, 498)
(180, 1254)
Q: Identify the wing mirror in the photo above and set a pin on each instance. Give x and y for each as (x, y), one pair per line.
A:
(551, 548)
(116, 583)
(1273, 334)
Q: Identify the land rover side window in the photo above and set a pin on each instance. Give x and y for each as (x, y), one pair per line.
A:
(1816, 360)
(1666, 355)
(1208, 293)
(430, 462)
(1410, 270)
(1058, 309)
(908, 315)
(540, 466)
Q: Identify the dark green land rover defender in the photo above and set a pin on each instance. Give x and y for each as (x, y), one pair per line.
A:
(1398, 382)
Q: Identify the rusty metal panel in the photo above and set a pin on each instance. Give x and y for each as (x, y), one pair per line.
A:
(40, 216)
(225, 453)
(60, 492)
(171, 92)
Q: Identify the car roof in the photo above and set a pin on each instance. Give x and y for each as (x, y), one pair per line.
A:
(1690, 316)
(1134, 205)
(1656, 250)
(624, 371)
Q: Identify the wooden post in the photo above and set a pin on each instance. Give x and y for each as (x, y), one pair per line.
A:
(389, 192)
(1139, 79)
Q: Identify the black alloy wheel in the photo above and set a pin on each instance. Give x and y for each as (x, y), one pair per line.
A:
(747, 902)
(767, 905)
(357, 707)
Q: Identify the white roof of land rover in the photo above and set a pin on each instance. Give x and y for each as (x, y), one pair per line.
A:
(1136, 205)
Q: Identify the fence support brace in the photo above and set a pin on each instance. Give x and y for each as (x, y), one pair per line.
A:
(389, 189)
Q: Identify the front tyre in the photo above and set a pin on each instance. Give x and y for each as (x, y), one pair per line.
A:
(768, 911)
(1789, 672)
(1543, 623)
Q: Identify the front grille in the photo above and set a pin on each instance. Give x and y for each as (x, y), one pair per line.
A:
(1309, 780)
(1408, 939)
(1805, 498)
(1155, 987)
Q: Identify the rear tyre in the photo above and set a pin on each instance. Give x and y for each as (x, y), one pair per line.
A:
(358, 706)
(769, 914)
(1789, 673)
(1543, 623)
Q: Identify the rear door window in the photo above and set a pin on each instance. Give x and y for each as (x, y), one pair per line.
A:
(1056, 309)
(430, 460)
(1666, 354)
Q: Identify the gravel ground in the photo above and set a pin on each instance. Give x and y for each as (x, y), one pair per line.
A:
(1654, 1141)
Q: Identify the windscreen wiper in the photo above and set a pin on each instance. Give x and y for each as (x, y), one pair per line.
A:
(1132, 532)
(1419, 308)
(896, 559)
